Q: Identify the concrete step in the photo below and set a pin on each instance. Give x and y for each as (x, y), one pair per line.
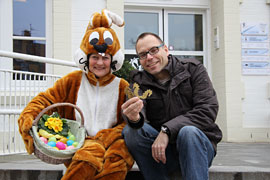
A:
(132, 175)
(30, 175)
(234, 161)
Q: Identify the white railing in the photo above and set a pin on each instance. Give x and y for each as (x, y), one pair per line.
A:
(17, 88)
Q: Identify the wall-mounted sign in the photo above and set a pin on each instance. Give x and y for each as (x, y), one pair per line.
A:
(255, 49)
(255, 42)
(254, 28)
(255, 52)
(255, 68)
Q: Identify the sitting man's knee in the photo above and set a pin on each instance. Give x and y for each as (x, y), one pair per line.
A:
(188, 133)
(188, 130)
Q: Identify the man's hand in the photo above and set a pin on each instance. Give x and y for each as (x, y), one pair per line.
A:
(159, 147)
(132, 108)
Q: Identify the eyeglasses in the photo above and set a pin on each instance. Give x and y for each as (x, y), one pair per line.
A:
(154, 50)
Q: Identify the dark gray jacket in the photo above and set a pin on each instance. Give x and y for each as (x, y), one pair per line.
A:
(188, 100)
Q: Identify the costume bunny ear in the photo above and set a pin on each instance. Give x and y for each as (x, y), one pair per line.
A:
(113, 18)
(105, 19)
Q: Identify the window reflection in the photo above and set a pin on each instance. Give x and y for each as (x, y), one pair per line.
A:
(29, 16)
(137, 23)
(185, 32)
(32, 48)
(134, 61)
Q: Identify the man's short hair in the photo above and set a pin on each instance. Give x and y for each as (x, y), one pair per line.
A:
(141, 36)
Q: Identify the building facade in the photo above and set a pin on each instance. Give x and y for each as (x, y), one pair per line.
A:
(230, 37)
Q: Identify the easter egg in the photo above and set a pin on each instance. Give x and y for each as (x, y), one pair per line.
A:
(55, 148)
(71, 137)
(52, 143)
(52, 139)
(60, 145)
(45, 140)
(63, 140)
(69, 133)
(70, 142)
(75, 144)
(70, 147)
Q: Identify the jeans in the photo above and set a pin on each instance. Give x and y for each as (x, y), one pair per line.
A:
(192, 153)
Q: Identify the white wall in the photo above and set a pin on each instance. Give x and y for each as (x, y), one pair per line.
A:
(6, 32)
(256, 104)
(218, 64)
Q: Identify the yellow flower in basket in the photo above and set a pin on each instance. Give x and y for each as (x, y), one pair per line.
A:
(54, 123)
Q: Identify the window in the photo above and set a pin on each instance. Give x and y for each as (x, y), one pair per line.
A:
(182, 31)
(184, 35)
(185, 32)
(138, 22)
(29, 33)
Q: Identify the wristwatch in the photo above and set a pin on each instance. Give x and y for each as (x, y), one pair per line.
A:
(165, 130)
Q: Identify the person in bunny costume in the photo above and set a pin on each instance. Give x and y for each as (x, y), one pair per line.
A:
(99, 94)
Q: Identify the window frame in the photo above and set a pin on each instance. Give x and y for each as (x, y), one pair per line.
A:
(163, 29)
(202, 53)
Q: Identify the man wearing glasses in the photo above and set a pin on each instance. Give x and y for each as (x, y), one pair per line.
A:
(173, 129)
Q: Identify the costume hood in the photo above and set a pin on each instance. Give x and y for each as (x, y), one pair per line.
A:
(100, 38)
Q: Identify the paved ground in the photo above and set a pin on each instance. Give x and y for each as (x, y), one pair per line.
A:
(231, 157)
(242, 156)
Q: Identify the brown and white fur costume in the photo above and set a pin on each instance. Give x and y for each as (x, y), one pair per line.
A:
(104, 155)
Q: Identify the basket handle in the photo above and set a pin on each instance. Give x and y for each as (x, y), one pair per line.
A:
(56, 105)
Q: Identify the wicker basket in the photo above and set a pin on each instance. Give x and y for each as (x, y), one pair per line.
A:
(49, 154)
